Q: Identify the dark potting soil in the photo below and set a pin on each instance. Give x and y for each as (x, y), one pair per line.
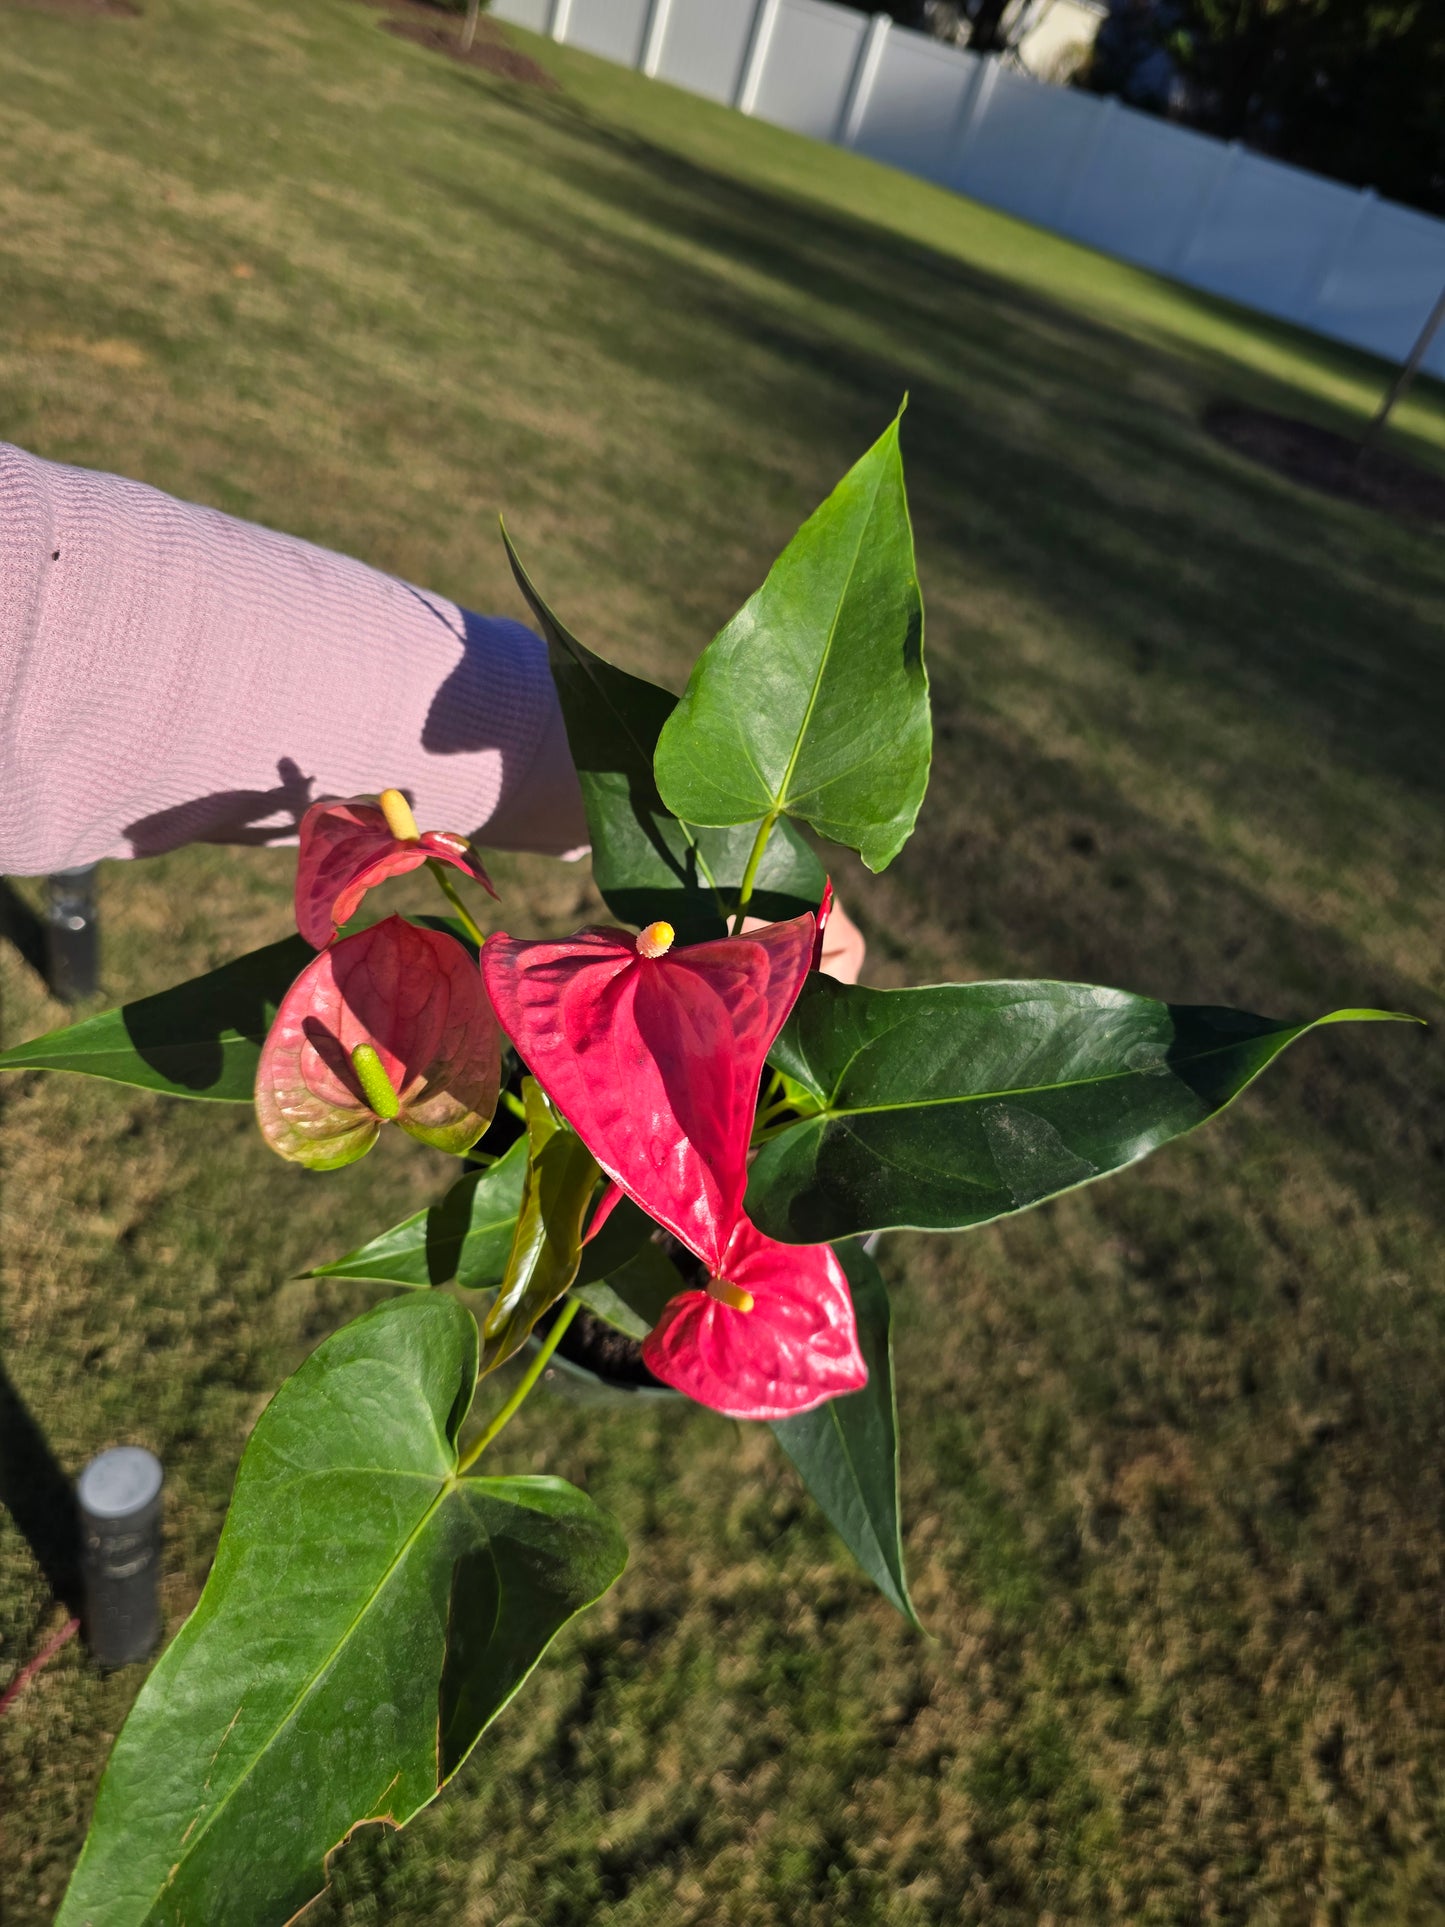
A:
(1319, 458)
(604, 1351)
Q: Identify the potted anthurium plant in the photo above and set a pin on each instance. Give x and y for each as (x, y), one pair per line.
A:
(706, 1128)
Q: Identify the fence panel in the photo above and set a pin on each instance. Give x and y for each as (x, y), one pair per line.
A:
(1386, 282)
(1145, 185)
(1019, 150)
(536, 15)
(811, 57)
(612, 28)
(912, 112)
(1266, 235)
(704, 47)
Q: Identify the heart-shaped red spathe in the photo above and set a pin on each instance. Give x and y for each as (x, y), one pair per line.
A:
(655, 1061)
(348, 848)
(416, 997)
(796, 1347)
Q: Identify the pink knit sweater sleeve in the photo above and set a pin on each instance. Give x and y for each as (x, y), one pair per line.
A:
(169, 674)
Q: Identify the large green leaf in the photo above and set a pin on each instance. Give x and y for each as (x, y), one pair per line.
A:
(201, 1039)
(945, 1107)
(847, 1450)
(646, 863)
(466, 1237)
(369, 1612)
(546, 1248)
(813, 701)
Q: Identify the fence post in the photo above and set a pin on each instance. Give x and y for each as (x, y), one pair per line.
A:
(1314, 296)
(751, 79)
(860, 84)
(971, 112)
(561, 18)
(653, 36)
(1189, 234)
(1090, 148)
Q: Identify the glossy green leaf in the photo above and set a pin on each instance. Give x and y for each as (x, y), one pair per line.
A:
(813, 701)
(646, 863)
(945, 1107)
(546, 1248)
(625, 1231)
(368, 1614)
(847, 1450)
(466, 1237)
(631, 1296)
(201, 1039)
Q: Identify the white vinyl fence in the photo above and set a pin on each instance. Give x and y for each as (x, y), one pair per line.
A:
(1290, 244)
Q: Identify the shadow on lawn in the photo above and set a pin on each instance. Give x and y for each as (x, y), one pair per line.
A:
(38, 1496)
(1226, 573)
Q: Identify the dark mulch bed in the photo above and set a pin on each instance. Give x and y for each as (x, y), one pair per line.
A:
(1319, 458)
(441, 29)
(78, 9)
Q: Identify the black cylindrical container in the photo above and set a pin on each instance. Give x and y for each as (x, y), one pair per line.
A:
(72, 934)
(119, 1495)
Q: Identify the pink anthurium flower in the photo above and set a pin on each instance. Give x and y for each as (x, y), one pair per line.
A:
(389, 1025)
(772, 1335)
(348, 848)
(653, 1055)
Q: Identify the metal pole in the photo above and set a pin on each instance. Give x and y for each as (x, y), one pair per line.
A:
(1400, 386)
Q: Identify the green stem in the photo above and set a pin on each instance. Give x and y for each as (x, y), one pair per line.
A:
(449, 891)
(770, 1111)
(755, 857)
(533, 1372)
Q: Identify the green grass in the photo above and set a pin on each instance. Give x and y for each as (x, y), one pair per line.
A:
(1172, 1475)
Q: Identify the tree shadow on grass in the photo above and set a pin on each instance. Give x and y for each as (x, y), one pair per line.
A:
(1033, 428)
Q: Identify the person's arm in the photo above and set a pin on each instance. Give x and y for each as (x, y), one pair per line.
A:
(169, 674)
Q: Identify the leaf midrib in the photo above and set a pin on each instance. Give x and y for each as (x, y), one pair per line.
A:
(449, 1481)
(781, 798)
(832, 1109)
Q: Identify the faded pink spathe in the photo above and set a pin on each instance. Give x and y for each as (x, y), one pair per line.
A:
(174, 675)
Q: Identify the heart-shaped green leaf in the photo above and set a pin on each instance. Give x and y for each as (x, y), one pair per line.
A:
(466, 1237)
(847, 1450)
(945, 1107)
(368, 1614)
(201, 1039)
(546, 1248)
(647, 864)
(813, 701)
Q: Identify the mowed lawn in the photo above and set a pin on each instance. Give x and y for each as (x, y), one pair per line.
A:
(1172, 1446)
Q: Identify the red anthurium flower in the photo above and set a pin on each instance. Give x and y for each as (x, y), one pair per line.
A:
(391, 1024)
(771, 1336)
(348, 848)
(653, 1055)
